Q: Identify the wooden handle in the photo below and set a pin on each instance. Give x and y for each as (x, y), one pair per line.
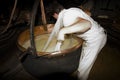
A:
(43, 15)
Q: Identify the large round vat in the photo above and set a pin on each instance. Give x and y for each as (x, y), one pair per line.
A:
(49, 62)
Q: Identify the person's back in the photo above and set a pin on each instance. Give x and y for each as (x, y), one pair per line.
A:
(70, 17)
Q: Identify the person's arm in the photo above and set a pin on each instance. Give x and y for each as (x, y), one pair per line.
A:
(80, 26)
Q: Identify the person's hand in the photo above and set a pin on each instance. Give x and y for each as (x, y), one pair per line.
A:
(60, 39)
(58, 45)
(61, 35)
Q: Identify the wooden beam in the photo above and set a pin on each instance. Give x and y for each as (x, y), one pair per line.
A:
(43, 15)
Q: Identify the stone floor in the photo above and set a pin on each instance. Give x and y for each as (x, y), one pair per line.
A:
(106, 67)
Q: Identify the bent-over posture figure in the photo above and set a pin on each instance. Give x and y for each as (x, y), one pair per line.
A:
(74, 20)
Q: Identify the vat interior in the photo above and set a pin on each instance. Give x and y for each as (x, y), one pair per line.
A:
(41, 37)
(41, 40)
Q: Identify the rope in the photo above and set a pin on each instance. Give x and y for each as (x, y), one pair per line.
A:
(10, 20)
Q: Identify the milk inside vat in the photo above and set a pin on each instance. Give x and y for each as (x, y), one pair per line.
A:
(41, 40)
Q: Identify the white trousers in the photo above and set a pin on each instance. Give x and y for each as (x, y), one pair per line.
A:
(89, 54)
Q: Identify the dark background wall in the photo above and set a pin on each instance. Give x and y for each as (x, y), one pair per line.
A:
(106, 12)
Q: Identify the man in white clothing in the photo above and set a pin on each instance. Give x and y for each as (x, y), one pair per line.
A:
(77, 22)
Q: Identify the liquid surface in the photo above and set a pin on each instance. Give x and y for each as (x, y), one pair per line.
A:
(41, 40)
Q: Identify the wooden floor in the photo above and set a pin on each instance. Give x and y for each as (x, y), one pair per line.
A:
(106, 67)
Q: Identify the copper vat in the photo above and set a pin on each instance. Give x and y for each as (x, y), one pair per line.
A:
(49, 62)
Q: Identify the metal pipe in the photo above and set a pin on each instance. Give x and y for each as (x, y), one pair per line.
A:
(34, 11)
